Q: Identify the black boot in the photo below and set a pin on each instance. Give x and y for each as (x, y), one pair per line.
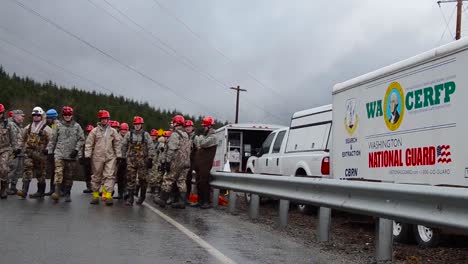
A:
(130, 198)
(142, 196)
(52, 188)
(40, 191)
(12, 190)
(56, 195)
(3, 187)
(181, 202)
(23, 193)
(88, 188)
(161, 200)
(67, 194)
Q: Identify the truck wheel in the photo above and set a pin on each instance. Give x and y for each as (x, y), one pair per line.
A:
(401, 232)
(426, 237)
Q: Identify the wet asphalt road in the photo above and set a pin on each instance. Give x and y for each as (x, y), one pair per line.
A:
(35, 231)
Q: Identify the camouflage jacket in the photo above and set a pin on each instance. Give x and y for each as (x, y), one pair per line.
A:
(208, 140)
(160, 151)
(17, 129)
(8, 136)
(35, 137)
(179, 147)
(66, 137)
(137, 145)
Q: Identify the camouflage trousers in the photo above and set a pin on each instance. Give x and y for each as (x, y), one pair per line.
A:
(136, 170)
(16, 169)
(155, 177)
(177, 176)
(4, 162)
(64, 171)
(34, 165)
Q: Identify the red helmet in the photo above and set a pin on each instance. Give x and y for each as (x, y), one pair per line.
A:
(103, 114)
(89, 128)
(67, 110)
(178, 120)
(138, 120)
(208, 121)
(10, 114)
(115, 124)
(167, 133)
(188, 123)
(124, 126)
(154, 132)
(2, 108)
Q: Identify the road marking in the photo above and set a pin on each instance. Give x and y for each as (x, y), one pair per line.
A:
(211, 250)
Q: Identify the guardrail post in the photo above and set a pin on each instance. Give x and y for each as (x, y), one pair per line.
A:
(323, 229)
(384, 240)
(283, 213)
(253, 206)
(232, 202)
(215, 198)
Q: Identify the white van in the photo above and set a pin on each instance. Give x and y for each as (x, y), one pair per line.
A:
(300, 150)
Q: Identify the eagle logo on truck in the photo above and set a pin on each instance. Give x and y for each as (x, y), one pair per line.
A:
(351, 119)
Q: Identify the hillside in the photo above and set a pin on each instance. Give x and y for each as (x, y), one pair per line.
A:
(25, 93)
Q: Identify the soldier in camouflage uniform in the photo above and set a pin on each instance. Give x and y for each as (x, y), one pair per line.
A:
(191, 133)
(176, 165)
(52, 121)
(17, 163)
(206, 149)
(122, 166)
(8, 144)
(34, 140)
(136, 148)
(65, 145)
(158, 160)
(153, 171)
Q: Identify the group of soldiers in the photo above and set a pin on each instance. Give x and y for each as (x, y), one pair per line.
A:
(110, 153)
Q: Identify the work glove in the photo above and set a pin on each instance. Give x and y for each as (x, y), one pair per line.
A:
(149, 163)
(73, 154)
(87, 161)
(45, 151)
(16, 152)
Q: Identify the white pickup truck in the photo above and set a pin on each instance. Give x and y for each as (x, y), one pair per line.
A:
(300, 150)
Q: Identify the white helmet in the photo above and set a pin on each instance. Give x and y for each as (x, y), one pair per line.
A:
(37, 111)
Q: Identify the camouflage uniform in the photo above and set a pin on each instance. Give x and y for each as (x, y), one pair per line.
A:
(156, 173)
(8, 142)
(136, 148)
(35, 138)
(192, 164)
(50, 163)
(178, 156)
(67, 138)
(16, 164)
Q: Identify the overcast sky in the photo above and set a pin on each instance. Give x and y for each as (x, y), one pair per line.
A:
(186, 54)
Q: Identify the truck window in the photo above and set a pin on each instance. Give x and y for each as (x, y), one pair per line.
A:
(308, 138)
(278, 141)
(267, 143)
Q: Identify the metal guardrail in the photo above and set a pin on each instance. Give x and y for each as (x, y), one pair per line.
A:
(444, 207)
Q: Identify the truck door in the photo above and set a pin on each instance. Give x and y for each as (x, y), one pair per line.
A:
(263, 161)
(275, 161)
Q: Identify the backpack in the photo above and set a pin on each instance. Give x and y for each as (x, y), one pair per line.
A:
(183, 153)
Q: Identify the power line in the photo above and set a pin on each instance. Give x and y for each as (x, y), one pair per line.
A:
(170, 13)
(447, 23)
(185, 60)
(52, 63)
(107, 55)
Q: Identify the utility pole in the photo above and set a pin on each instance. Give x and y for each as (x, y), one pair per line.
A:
(238, 90)
(459, 15)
